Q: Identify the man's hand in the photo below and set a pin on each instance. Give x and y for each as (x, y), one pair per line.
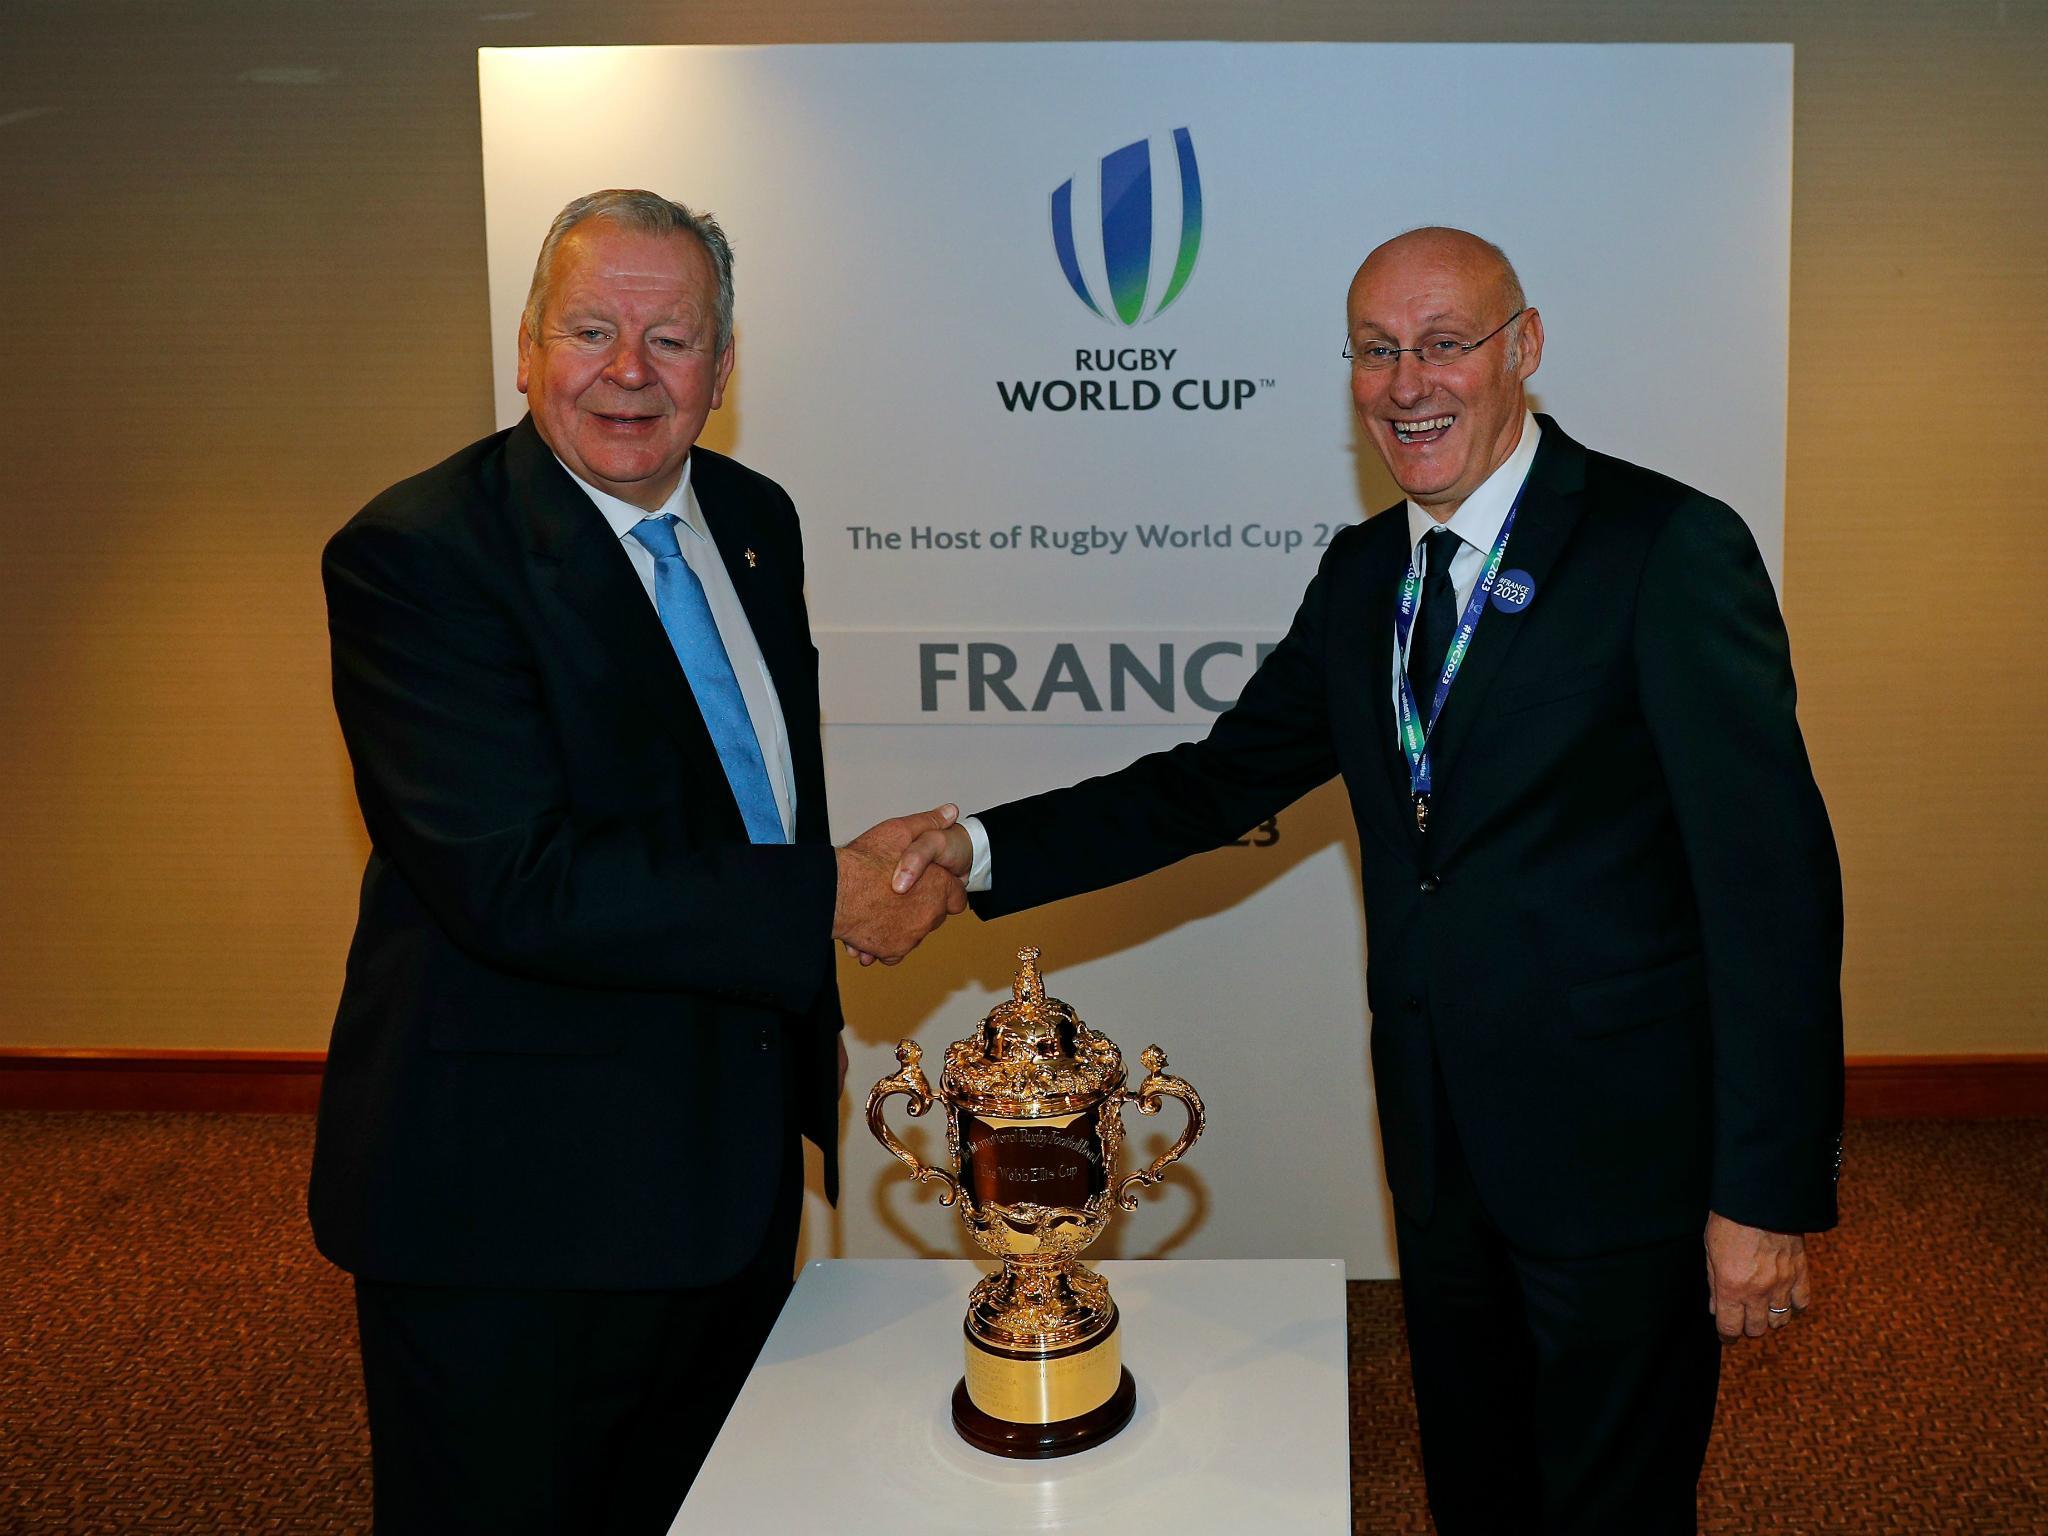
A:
(877, 919)
(1756, 1280)
(946, 847)
(888, 839)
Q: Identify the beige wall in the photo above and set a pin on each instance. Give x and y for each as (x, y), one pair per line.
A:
(243, 263)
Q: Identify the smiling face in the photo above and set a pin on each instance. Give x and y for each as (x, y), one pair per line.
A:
(626, 366)
(1441, 430)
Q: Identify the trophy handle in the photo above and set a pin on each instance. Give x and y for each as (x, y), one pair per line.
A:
(1160, 1084)
(909, 1081)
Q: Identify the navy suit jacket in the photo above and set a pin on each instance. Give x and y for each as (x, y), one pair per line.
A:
(581, 1010)
(1620, 943)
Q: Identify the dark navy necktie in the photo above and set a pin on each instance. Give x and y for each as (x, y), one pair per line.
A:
(1438, 620)
(686, 615)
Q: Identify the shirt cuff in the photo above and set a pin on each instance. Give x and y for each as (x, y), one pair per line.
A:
(978, 875)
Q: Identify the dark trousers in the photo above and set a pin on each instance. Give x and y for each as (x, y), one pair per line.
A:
(1566, 1397)
(559, 1413)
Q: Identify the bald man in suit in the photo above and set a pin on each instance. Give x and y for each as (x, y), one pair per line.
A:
(1602, 899)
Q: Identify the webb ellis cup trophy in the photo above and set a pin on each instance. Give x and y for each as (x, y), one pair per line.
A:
(1034, 1132)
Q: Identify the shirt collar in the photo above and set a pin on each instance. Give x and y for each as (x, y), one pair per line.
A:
(623, 516)
(1478, 520)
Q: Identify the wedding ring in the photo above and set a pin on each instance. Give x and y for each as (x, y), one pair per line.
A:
(1778, 1311)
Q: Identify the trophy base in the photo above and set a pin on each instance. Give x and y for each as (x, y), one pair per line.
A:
(1037, 1442)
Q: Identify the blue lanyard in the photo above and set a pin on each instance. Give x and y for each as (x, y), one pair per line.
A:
(1414, 733)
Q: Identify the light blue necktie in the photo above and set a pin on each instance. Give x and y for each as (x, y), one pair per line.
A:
(686, 615)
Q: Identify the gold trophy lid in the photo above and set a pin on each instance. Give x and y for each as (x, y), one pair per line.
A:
(1032, 1054)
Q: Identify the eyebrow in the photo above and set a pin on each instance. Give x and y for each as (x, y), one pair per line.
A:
(570, 315)
(1427, 321)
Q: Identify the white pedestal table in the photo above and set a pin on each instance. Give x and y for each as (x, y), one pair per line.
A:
(845, 1424)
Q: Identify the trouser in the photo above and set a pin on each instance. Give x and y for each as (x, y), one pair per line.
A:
(1566, 1397)
(559, 1413)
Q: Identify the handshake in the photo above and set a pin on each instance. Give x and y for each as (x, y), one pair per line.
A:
(898, 881)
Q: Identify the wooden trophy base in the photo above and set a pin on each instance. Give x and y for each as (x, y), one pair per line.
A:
(1037, 1442)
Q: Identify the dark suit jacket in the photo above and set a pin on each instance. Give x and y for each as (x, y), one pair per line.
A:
(581, 1009)
(1620, 943)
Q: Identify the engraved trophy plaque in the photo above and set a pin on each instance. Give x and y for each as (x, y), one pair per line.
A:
(1034, 1133)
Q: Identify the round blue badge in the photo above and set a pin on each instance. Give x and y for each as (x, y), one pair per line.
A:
(1512, 591)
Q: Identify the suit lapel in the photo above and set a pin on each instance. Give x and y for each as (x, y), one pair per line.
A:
(1552, 501)
(752, 557)
(575, 552)
(747, 554)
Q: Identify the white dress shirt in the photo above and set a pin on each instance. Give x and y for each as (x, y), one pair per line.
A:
(700, 553)
(1476, 523)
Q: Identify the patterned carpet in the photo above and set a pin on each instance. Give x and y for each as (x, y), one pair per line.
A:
(174, 1357)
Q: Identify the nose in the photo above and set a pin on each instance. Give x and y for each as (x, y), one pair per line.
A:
(627, 367)
(1409, 384)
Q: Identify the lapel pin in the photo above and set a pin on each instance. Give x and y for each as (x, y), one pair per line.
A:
(752, 558)
(1512, 591)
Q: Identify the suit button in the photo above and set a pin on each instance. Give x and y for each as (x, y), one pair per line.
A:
(1413, 1002)
(1429, 885)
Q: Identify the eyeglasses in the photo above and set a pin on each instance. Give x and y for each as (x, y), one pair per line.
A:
(1438, 352)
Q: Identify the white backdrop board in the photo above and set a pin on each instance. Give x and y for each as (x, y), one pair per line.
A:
(1044, 340)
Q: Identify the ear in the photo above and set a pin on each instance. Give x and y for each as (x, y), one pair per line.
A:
(1528, 344)
(525, 355)
(723, 371)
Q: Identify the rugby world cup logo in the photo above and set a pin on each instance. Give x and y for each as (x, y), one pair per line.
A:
(1128, 219)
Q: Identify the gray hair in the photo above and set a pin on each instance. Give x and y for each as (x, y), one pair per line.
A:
(1511, 290)
(1511, 285)
(649, 213)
